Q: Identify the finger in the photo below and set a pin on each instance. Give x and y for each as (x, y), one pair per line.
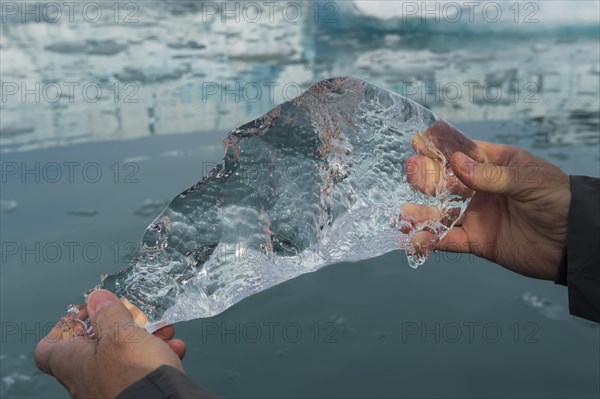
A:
(59, 343)
(66, 356)
(41, 354)
(107, 312)
(427, 176)
(456, 187)
(178, 346)
(165, 333)
(70, 326)
(446, 139)
(523, 163)
(423, 146)
(455, 240)
(414, 214)
(424, 242)
(486, 178)
(138, 316)
(80, 314)
(424, 174)
(498, 154)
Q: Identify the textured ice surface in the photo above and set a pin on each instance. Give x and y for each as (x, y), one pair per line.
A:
(318, 180)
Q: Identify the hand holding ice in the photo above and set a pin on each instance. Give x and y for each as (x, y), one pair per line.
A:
(317, 180)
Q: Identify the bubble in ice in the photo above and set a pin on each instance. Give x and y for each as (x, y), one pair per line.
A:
(320, 179)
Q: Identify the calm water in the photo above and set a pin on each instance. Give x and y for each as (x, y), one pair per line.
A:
(456, 327)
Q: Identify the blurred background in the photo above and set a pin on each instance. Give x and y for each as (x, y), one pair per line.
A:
(109, 109)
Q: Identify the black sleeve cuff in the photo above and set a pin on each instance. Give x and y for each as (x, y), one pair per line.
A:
(164, 382)
(582, 256)
(561, 278)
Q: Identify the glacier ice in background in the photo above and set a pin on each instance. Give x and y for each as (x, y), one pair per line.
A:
(383, 42)
(445, 16)
(317, 180)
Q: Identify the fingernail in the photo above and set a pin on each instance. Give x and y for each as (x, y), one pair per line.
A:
(100, 299)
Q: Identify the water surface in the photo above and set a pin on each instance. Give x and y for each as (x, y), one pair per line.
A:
(375, 328)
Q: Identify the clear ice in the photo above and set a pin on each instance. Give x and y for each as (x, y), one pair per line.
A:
(317, 180)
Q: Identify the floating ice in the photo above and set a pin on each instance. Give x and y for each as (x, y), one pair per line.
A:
(320, 179)
(8, 206)
(465, 17)
(545, 307)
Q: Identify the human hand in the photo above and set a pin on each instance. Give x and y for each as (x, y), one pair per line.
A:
(119, 354)
(518, 215)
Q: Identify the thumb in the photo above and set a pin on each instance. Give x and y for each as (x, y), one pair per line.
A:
(106, 311)
(484, 177)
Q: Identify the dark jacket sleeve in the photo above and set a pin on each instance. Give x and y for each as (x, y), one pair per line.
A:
(580, 266)
(164, 382)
